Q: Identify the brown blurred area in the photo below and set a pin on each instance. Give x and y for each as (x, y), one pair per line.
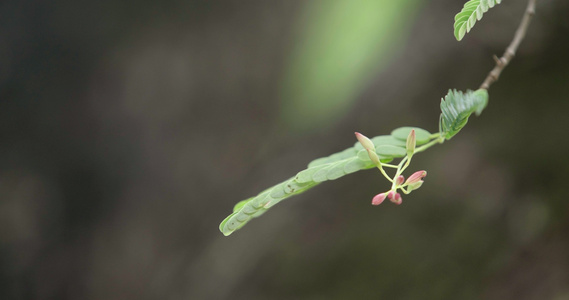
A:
(128, 130)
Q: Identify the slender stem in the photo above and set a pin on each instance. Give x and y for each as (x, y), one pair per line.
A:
(503, 61)
(434, 135)
(406, 191)
(389, 166)
(429, 144)
(405, 161)
(384, 174)
(406, 165)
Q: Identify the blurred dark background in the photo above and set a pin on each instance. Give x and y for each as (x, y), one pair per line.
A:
(129, 129)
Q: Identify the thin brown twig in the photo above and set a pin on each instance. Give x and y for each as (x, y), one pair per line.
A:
(503, 61)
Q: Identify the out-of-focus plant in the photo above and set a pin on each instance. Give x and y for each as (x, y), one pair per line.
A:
(403, 143)
(339, 44)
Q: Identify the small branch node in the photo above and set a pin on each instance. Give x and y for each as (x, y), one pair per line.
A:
(509, 53)
(531, 11)
(497, 60)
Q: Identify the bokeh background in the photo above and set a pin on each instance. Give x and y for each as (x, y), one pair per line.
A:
(129, 129)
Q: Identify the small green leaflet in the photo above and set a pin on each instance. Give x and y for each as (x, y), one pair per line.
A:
(470, 13)
(319, 170)
(402, 133)
(456, 107)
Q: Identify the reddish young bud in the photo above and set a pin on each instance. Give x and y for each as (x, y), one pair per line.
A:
(390, 195)
(416, 177)
(378, 199)
(397, 199)
(400, 180)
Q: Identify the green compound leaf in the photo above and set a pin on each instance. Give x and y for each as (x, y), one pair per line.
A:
(245, 210)
(470, 13)
(457, 106)
(319, 170)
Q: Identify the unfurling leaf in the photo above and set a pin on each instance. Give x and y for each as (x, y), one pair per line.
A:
(457, 106)
(470, 13)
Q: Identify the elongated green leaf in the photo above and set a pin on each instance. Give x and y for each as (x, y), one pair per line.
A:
(470, 13)
(339, 164)
(457, 106)
(319, 170)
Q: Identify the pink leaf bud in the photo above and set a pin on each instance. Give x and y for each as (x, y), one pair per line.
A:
(411, 142)
(400, 180)
(390, 195)
(378, 199)
(396, 199)
(365, 141)
(416, 177)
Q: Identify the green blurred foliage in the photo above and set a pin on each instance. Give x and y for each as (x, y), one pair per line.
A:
(341, 43)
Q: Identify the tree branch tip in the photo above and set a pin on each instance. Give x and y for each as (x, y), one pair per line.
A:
(510, 52)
